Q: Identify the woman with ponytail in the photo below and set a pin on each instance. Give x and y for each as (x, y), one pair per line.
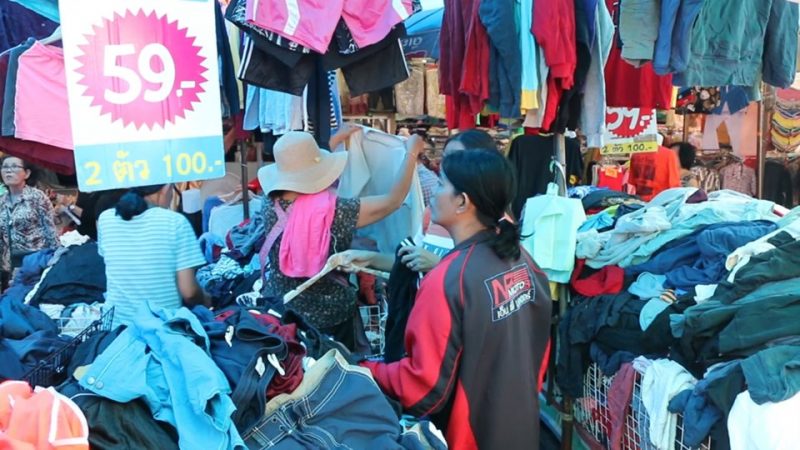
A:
(481, 320)
(151, 254)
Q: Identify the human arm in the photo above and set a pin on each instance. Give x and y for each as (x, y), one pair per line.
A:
(190, 291)
(365, 258)
(342, 136)
(375, 208)
(425, 379)
(188, 259)
(47, 217)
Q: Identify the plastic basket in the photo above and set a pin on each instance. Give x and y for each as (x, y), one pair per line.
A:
(50, 370)
(374, 319)
(594, 421)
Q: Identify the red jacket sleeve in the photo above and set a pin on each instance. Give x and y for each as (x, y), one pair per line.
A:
(554, 29)
(425, 379)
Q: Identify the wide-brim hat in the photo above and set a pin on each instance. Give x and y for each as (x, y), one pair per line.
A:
(301, 166)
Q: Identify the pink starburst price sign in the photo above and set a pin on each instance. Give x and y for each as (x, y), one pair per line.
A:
(143, 91)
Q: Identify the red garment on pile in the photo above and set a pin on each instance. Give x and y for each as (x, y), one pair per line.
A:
(612, 177)
(627, 86)
(554, 29)
(619, 401)
(609, 280)
(464, 62)
(653, 173)
(292, 365)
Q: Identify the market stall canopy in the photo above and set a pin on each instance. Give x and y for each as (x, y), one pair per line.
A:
(423, 29)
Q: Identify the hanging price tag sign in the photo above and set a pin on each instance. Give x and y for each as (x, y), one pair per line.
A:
(143, 91)
(630, 130)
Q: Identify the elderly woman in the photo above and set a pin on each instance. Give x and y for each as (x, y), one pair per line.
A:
(26, 217)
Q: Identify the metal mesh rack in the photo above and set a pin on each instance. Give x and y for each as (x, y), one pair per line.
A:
(594, 420)
(374, 319)
(50, 371)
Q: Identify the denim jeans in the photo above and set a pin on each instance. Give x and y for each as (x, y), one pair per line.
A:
(336, 406)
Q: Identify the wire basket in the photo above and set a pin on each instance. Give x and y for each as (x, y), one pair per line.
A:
(50, 371)
(594, 420)
(374, 319)
(73, 326)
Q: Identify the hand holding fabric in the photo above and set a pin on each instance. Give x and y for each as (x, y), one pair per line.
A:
(418, 259)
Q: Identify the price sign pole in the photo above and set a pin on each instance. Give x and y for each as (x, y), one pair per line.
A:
(143, 90)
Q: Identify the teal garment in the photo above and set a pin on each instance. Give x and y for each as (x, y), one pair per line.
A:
(163, 358)
(753, 319)
(780, 44)
(549, 228)
(648, 286)
(597, 221)
(731, 40)
(528, 47)
(45, 8)
(638, 29)
(773, 374)
(790, 218)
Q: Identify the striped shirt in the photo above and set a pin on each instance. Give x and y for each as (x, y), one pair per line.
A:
(142, 258)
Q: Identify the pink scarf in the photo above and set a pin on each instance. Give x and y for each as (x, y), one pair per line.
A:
(306, 241)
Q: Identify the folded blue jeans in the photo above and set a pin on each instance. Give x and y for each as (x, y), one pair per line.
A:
(336, 406)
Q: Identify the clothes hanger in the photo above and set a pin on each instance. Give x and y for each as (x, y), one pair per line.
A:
(53, 38)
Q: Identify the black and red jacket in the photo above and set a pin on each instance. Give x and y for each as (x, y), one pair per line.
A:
(476, 340)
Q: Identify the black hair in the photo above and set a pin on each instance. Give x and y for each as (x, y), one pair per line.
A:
(34, 177)
(132, 203)
(687, 153)
(473, 139)
(488, 179)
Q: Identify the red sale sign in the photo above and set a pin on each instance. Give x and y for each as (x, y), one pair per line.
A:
(630, 130)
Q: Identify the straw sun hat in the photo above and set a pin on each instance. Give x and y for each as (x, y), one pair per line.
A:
(301, 166)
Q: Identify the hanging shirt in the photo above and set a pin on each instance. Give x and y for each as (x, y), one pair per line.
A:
(464, 44)
(655, 172)
(19, 21)
(42, 80)
(550, 228)
(593, 109)
(26, 225)
(631, 87)
(313, 24)
(372, 165)
(731, 42)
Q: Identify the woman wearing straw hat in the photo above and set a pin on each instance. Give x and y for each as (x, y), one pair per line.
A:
(306, 222)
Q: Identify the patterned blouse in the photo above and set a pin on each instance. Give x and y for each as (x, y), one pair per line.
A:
(27, 224)
(331, 300)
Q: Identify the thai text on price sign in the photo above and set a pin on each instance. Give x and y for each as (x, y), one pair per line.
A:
(143, 91)
(630, 130)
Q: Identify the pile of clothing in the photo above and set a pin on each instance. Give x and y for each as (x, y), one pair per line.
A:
(699, 300)
(56, 294)
(229, 379)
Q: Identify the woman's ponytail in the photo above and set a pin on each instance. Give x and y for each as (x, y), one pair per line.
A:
(132, 203)
(506, 243)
